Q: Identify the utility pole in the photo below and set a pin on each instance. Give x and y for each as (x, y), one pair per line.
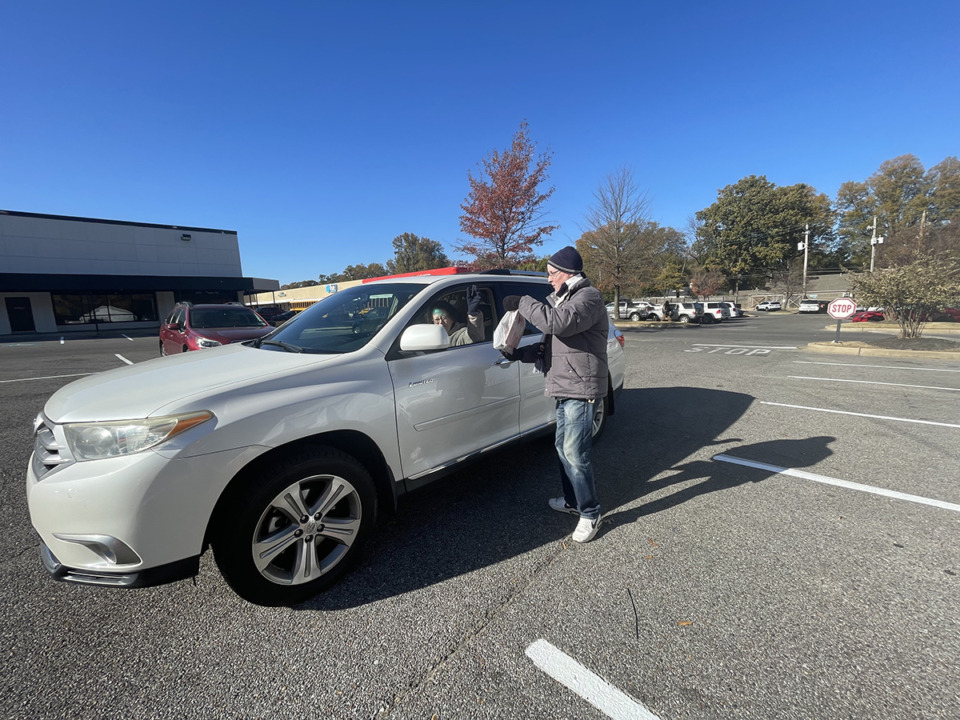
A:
(806, 256)
(874, 241)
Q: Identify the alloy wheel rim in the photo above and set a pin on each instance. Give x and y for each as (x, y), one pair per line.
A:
(306, 529)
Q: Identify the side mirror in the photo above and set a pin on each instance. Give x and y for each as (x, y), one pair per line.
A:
(420, 338)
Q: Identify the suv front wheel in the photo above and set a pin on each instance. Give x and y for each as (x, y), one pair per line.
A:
(286, 533)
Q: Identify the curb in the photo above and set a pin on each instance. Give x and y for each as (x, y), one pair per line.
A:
(932, 328)
(841, 349)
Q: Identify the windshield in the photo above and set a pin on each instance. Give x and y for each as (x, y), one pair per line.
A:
(342, 322)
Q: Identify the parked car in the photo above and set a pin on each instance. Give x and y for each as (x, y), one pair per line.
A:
(268, 312)
(686, 312)
(715, 311)
(630, 310)
(198, 327)
(735, 311)
(809, 306)
(769, 305)
(278, 320)
(282, 454)
(867, 316)
(948, 315)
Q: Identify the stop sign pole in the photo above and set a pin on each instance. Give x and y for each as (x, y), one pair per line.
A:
(839, 309)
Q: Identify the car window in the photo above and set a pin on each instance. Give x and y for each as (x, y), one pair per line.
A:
(456, 298)
(346, 320)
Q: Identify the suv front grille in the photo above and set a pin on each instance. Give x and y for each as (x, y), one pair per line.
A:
(47, 452)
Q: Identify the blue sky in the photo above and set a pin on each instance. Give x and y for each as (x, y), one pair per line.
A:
(319, 131)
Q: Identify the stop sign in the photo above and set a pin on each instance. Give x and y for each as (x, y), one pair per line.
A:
(841, 308)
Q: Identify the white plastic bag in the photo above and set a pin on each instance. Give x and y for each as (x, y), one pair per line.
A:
(509, 331)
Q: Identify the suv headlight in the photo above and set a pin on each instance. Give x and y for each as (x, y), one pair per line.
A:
(207, 342)
(95, 441)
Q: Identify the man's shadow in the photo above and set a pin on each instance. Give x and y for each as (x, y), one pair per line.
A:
(715, 476)
(495, 510)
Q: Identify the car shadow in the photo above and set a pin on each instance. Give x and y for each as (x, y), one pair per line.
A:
(495, 510)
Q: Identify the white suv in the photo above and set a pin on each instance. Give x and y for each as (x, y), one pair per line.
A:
(715, 311)
(281, 453)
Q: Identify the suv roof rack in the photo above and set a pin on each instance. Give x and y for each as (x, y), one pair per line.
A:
(510, 271)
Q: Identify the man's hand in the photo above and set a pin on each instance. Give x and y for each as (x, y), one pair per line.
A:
(473, 300)
(511, 302)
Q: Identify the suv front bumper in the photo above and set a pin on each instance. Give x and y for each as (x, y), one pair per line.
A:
(144, 578)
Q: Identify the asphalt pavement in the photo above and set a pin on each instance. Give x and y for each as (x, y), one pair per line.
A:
(780, 542)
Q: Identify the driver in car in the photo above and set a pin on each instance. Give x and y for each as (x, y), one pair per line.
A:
(444, 314)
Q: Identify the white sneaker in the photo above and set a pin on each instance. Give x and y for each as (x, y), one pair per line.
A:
(560, 505)
(586, 529)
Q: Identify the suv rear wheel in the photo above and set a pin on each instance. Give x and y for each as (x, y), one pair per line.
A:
(599, 417)
(288, 532)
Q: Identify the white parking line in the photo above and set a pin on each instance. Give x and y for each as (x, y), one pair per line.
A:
(591, 687)
(128, 362)
(764, 347)
(874, 382)
(45, 377)
(882, 367)
(876, 417)
(839, 483)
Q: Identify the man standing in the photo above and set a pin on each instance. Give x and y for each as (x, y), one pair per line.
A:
(573, 355)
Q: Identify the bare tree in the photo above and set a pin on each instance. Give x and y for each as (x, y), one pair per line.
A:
(611, 247)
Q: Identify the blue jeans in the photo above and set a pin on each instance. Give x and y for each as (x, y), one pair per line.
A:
(574, 441)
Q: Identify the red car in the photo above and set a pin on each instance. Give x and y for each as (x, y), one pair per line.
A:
(195, 327)
(867, 316)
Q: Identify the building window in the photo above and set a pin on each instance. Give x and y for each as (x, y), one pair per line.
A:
(85, 308)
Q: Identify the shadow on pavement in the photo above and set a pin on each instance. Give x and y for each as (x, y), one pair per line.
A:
(496, 510)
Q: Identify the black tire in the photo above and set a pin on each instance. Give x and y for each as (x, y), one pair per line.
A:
(286, 533)
(635, 317)
(163, 352)
(599, 418)
(184, 349)
(684, 319)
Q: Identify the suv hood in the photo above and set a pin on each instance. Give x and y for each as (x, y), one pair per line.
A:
(144, 389)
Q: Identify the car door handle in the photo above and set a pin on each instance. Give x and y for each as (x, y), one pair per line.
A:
(503, 362)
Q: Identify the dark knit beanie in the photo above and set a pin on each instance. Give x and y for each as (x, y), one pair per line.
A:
(568, 260)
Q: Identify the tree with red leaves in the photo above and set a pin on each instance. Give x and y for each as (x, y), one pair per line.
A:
(505, 206)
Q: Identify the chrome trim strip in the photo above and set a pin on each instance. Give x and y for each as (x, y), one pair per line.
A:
(457, 461)
(446, 418)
